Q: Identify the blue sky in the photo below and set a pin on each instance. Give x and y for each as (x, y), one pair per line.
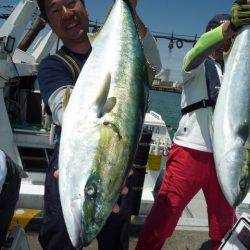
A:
(181, 17)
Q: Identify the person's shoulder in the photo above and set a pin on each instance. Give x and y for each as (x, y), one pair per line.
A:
(192, 75)
(52, 75)
(192, 71)
(53, 67)
(51, 61)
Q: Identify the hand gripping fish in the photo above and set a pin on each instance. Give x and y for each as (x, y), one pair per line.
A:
(102, 125)
(231, 137)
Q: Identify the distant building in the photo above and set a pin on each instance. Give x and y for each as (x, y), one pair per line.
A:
(163, 76)
(177, 85)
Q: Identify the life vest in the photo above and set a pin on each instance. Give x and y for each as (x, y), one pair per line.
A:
(71, 62)
(69, 59)
(213, 85)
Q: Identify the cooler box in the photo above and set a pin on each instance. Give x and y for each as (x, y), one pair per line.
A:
(16, 240)
(239, 237)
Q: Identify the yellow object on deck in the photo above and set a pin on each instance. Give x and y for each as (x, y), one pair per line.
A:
(24, 217)
(154, 162)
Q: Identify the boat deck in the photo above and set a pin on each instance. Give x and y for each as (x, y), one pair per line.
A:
(191, 231)
(191, 240)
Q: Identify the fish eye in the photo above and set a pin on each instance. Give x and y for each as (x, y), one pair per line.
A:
(90, 190)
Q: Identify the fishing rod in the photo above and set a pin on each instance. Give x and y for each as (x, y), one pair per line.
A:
(179, 40)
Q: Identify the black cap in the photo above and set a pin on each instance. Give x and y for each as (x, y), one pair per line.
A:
(217, 20)
(41, 5)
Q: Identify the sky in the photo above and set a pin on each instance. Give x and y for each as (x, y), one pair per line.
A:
(180, 17)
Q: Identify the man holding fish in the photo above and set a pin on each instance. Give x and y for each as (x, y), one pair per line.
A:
(190, 164)
(57, 75)
(10, 179)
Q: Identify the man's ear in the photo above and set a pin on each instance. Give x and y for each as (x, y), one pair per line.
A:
(227, 53)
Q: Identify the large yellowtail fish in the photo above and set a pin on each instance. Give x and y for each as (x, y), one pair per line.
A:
(102, 125)
(231, 138)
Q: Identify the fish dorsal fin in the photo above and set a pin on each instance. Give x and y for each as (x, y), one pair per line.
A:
(129, 5)
(93, 36)
(66, 97)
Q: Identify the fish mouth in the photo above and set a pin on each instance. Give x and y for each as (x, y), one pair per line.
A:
(73, 218)
(93, 222)
(90, 233)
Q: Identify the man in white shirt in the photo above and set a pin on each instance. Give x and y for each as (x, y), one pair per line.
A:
(190, 164)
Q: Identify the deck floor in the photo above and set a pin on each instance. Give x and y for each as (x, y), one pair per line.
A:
(181, 240)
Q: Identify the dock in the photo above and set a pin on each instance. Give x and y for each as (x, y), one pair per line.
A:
(167, 89)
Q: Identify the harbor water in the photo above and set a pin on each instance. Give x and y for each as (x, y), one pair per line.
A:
(167, 104)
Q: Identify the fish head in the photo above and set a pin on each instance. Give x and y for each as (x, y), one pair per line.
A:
(96, 208)
(244, 182)
(243, 162)
(237, 165)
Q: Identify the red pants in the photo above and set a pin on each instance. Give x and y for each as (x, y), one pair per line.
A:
(187, 171)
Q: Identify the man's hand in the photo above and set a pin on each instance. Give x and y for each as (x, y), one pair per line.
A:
(240, 13)
(56, 174)
(133, 4)
(140, 25)
(125, 190)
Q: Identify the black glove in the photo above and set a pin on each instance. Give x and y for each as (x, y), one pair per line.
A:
(240, 14)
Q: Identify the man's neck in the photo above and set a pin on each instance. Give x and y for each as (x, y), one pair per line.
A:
(82, 47)
(218, 57)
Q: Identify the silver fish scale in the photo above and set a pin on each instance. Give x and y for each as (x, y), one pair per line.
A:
(231, 121)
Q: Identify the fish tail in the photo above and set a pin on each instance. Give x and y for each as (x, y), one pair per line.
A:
(129, 5)
(132, 11)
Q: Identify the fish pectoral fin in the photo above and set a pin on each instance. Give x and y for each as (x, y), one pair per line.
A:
(108, 106)
(66, 97)
(101, 99)
(247, 155)
(114, 127)
(243, 131)
(93, 36)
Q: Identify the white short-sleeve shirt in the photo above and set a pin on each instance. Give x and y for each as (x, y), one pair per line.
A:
(194, 127)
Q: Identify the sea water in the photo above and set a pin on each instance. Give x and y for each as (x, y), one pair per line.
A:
(166, 104)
